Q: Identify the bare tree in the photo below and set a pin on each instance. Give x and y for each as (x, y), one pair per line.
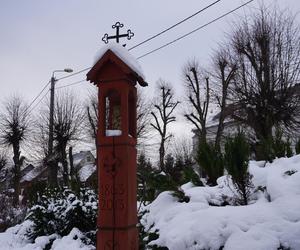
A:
(92, 116)
(143, 117)
(163, 115)
(14, 128)
(224, 70)
(68, 120)
(266, 47)
(68, 126)
(198, 91)
(182, 147)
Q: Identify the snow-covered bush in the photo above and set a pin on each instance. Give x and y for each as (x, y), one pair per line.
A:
(15, 238)
(9, 214)
(146, 236)
(271, 221)
(59, 211)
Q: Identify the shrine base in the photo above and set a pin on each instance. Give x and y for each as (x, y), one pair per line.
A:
(118, 239)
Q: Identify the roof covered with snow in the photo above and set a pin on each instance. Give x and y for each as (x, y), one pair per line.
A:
(123, 54)
(34, 173)
(78, 157)
(86, 171)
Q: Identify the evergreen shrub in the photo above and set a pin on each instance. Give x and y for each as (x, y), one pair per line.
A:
(59, 211)
(236, 159)
(210, 159)
(274, 147)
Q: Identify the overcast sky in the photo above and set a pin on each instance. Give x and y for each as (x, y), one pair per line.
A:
(38, 37)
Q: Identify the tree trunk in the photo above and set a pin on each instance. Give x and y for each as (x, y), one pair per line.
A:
(17, 174)
(65, 166)
(52, 172)
(264, 136)
(221, 122)
(72, 170)
(162, 156)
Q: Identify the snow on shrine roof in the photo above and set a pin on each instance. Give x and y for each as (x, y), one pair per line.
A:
(124, 55)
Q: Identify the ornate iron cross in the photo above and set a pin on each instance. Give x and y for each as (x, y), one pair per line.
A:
(117, 26)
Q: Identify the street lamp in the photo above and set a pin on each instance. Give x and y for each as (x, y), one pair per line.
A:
(52, 89)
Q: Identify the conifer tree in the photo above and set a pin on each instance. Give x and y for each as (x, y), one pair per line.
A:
(236, 160)
(210, 160)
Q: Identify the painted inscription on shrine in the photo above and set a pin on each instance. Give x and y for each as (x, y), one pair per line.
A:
(111, 196)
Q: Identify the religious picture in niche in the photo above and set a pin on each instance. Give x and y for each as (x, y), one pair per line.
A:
(116, 118)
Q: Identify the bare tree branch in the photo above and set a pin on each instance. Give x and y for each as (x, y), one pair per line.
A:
(165, 106)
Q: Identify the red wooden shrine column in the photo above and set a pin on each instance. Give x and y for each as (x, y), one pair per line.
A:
(116, 152)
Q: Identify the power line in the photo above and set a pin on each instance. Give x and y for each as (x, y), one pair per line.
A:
(37, 96)
(169, 43)
(39, 101)
(193, 31)
(173, 26)
(159, 48)
(152, 37)
(67, 85)
(64, 86)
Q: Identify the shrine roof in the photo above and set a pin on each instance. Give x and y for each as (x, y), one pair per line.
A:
(124, 55)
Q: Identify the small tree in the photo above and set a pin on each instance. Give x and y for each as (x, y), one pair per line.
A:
(169, 163)
(236, 160)
(163, 116)
(210, 159)
(144, 172)
(14, 128)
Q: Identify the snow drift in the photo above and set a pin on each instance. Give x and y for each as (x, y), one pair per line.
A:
(271, 221)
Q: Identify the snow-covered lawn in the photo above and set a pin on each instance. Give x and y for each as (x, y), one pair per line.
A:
(271, 221)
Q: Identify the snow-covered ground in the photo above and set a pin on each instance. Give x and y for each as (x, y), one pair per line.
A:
(14, 239)
(271, 221)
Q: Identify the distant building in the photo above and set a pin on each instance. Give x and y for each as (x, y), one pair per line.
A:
(84, 164)
(83, 158)
(85, 167)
